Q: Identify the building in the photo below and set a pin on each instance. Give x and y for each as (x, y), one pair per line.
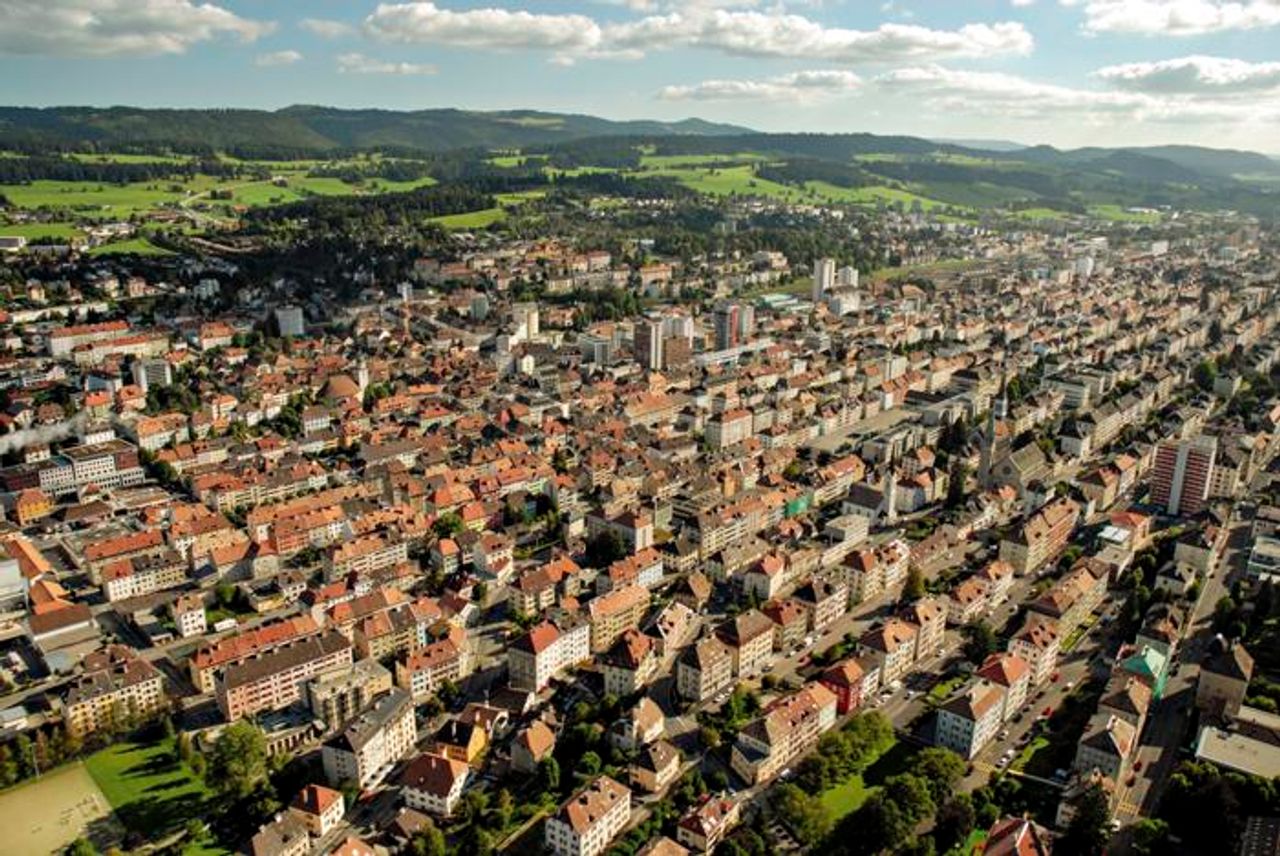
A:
(434, 784)
(968, 722)
(290, 321)
(1224, 678)
(1182, 474)
(1106, 746)
(1017, 836)
(614, 613)
(704, 670)
(285, 835)
(655, 767)
(749, 637)
(425, 669)
(1041, 537)
(705, 825)
(142, 575)
(189, 615)
(1012, 673)
(590, 820)
(546, 651)
(892, 648)
(630, 664)
(372, 743)
(531, 746)
(1037, 644)
(319, 808)
(276, 680)
(851, 683)
(115, 684)
(785, 731)
(824, 278)
(337, 697)
(648, 343)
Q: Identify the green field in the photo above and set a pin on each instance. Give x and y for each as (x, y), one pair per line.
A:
(873, 195)
(152, 792)
(727, 181)
(1120, 214)
(44, 815)
(677, 161)
(40, 230)
(1040, 213)
(846, 798)
(116, 200)
(471, 219)
(137, 246)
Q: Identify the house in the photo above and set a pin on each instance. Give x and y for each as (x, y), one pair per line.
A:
(1224, 678)
(662, 846)
(461, 741)
(1037, 643)
(630, 664)
(824, 601)
(1128, 698)
(284, 835)
(1017, 836)
(848, 681)
(892, 647)
(1106, 746)
(749, 637)
(996, 578)
(655, 767)
(968, 722)
(531, 746)
(640, 726)
(615, 612)
(319, 808)
(546, 651)
(704, 670)
(789, 623)
(1013, 674)
(706, 824)
(786, 730)
(1041, 536)
(589, 821)
(434, 784)
(966, 602)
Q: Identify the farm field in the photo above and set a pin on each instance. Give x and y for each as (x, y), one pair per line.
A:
(40, 230)
(471, 219)
(1120, 214)
(48, 813)
(139, 246)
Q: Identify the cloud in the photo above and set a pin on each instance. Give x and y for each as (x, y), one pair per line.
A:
(800, 85)
(773, 34)
(1176, 17)
(354, 63)
(267, 60)
(109, 28)
(501, 29)
(1193, 75)
(325, 28)
(1005, 96)
(719, 25)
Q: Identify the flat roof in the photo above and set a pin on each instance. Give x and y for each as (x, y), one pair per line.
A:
(1238, 752)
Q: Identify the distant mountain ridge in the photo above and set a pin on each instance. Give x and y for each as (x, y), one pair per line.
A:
(319, 129)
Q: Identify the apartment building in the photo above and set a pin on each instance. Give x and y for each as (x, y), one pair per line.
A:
(189, 616)
(276, 680)
(590, 820)
(892, 648)
(1037, 643)
(630, 664)
(337, 697)
(210, 660)
(968, 722)
(785, 731)
(1010, 672)
(1070, 600)
(1106, 746)
(929, 618)
(365, 555)
(1041, 536)
(434, 784)
(1183, 473)
(424, 670)
(614, 613)
(704, 670)
(749, 637)
(372, 743)
(114, 684)
(142, 575)
(546, 651)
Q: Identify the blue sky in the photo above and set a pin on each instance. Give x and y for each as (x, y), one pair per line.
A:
(1064, 72)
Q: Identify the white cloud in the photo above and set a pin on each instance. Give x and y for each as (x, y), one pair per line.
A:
(1193, 74)
(1176, 17)
(774, 34)
(326, 28)
(1005, 96)
(481, 28)
(800, 85)
(719, 25)
(355, 63)
(267, 60)
(108, 28)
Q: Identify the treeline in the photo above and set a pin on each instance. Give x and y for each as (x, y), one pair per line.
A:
(22, 170)
(354, 213)
(799, 170)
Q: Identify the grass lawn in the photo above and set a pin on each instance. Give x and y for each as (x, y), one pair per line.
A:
(944, 688)
(152, 792)
(739, 180)
(849, 795)
(139, 246)
(1035, 747)
(40, 230)
(846, 798)
(1039, 213)
(669, 161)
(1121, 214)
(471, 219)
(45, 815)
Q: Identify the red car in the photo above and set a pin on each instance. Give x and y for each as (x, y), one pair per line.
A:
(1047, 712)
(1132, 780)
(1054, 677)
(1137, 766)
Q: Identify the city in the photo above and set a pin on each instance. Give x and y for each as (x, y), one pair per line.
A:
(456, 485)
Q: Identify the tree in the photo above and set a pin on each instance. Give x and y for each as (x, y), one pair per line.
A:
(878, 826)
(911, 794)
(804, 814)
(913, 588)
(589, 764)
(504, 808)
(1204, 374)
(549, 773)
(604, 548)
(428, 841)
(955, 821)
(1087, 833)
(447, 525)
(956, 484)
(710, 736)
(980, 641)
(1150, 837)
(82, 847)
(238, 762)
(940, 769)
